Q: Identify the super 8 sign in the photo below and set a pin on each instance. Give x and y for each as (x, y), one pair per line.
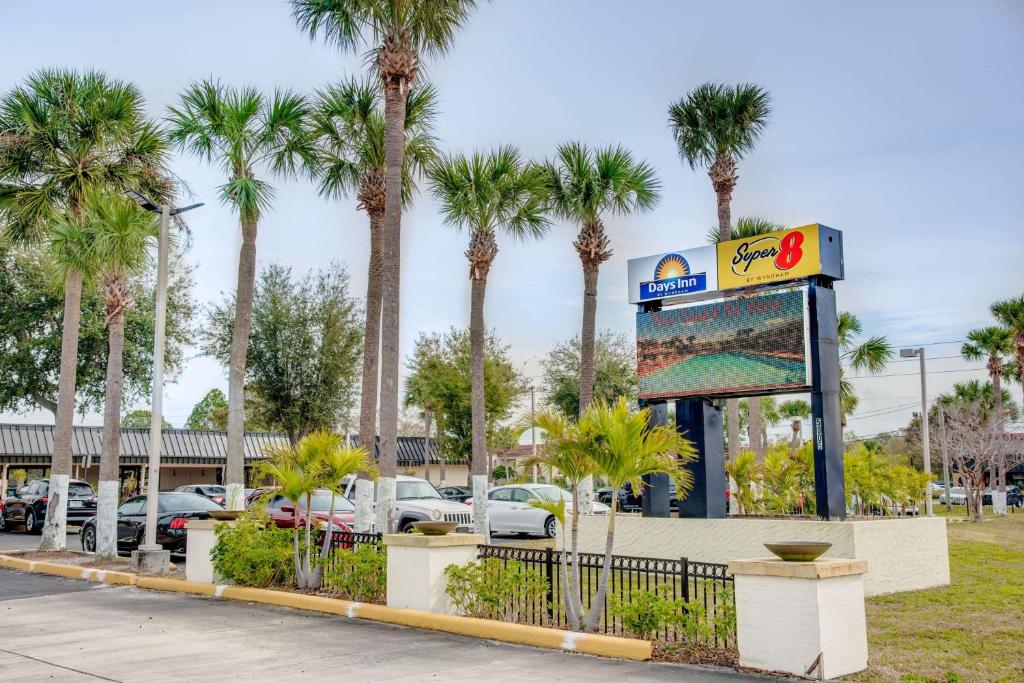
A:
(779, 256)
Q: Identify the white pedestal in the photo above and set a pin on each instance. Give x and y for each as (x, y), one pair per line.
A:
(416, 565)
(804, 618)
(199, 542)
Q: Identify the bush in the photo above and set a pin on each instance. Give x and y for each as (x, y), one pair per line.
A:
(254, 552)
(360, 575)
(493, 589)
(645, 613)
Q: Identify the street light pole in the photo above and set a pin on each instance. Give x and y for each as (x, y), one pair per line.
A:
(533, 437)
(151, 557)
(926, 451)
(945, 458)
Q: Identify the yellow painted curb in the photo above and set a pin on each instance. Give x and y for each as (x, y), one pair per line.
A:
(176, 585)
(8, 562)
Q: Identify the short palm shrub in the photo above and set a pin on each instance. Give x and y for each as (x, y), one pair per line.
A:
(647, 613)
(360, 575)
(494, 589)
(254, 552)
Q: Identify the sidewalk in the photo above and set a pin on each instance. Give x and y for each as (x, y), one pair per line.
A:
(128, 634)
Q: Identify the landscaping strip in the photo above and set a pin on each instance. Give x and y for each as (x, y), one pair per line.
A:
(536, 636)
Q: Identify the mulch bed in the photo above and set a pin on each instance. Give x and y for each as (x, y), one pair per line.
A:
(695, 654)
(87, 561)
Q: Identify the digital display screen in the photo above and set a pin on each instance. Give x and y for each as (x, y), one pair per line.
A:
(746, 346)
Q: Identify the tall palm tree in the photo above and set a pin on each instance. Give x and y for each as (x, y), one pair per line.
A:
(995, 345)
(796, 410)
(63, 133)
(869, 356)
(583, 186)
(747, 226)
(121, 235)
(347, 123)
(482, 194)
(397, 32)
(247, 134)
(1010, 314)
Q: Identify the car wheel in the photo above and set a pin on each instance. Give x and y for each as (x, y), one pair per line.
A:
(406, 526)
(89, 539)
(3, 521)
(30, 521)
(549, 527)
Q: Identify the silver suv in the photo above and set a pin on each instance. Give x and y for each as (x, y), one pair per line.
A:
(416, 500)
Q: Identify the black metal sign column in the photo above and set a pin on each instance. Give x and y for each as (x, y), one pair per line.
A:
(829, 489)
(656, 493)
(701, 422)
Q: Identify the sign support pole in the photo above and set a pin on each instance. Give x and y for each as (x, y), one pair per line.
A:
(827, 430)
(656, 492)
(701, 421)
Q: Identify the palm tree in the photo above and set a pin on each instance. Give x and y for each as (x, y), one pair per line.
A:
(584, 185)
(995, 345)
(1010, 313)
(248, 135)
(63, 133)
(869, 356)
(347, 124)
(122, 234)
(625, 450)
(796, 410)
(746, 226)
(744, 470)
(397, 32)
(485, 193)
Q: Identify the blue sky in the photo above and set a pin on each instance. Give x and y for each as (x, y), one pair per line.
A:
(900, 123)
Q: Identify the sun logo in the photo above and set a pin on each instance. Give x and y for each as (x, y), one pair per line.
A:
(670, 266)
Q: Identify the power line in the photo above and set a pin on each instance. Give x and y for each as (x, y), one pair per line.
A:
(916, 374)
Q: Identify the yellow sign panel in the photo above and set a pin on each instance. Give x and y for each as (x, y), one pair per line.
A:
(772, 257)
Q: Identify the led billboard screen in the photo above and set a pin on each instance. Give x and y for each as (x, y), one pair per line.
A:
(754, 345)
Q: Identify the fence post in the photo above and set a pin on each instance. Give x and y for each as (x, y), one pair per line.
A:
(684, 565)
(549, 571)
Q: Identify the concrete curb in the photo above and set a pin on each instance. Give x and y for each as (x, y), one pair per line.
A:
(536, 636)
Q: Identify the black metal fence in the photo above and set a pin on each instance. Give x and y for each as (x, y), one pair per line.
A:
(707, 588)
(347, 540)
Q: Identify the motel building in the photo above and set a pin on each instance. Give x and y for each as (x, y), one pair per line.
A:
(187, 456)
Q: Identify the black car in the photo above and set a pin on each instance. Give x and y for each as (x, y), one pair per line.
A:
(1014, 498)
(214, 492)
(28, 506)
(457, 493)
(175, 510)
(628, 502)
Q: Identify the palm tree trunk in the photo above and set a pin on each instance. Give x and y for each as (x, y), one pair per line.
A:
(574, 587)
(55, 529)
(732, 407)
(234, 471)
(795, 444)
(371, 367)
(584, 502)
(597, 607)
(426, 444)
(477, 334)
(395, 92)
(306, 569)
(317, 580)
(109, 484)
(997, 424)
(755, 426)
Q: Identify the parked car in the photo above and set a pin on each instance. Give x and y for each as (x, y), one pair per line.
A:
(957, 496)
(174, 510)
(28, 506)
(416, 500)
(286, 514)
(630, 502)
(509, 508)
(457, 493)
(1013, 496)
(214, 492)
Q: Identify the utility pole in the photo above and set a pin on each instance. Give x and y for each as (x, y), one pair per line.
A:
(151, 556)
(926, 451)
(945, 458)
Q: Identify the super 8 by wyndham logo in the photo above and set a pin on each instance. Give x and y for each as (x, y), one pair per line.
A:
(672, 277)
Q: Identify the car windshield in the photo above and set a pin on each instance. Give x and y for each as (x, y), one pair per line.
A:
(185, 502)
(409, 490)
(321, 502)
(214, 490)
(79, 490)
(552, 494)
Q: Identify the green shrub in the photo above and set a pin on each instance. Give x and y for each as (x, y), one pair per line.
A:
(725, 616)
(645, 613)
(493, 589)
(360, 575)
(254, 552)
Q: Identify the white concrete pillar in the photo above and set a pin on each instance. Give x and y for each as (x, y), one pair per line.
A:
(803, 618)
(416, 565)
(198, 544)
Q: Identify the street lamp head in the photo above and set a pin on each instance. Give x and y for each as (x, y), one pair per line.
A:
(142, 200)
(909, 353)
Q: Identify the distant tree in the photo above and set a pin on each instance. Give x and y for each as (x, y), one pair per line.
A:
(1010, 313)
(614, 372)
(795, 410)
(210, 413)
(304, 347)
(870, 355)
(31, 313)
(995, 346)
(141, 419)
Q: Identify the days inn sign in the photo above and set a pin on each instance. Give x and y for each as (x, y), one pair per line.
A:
(771, 258)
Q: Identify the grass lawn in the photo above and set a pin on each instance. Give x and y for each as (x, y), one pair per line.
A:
(972, 630)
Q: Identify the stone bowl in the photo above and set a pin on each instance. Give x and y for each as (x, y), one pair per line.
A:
(434, 528)
(225, 515)
(798, 551)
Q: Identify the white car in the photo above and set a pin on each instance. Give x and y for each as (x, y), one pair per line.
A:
(957, 496)
(509, 509)
(416, 500)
